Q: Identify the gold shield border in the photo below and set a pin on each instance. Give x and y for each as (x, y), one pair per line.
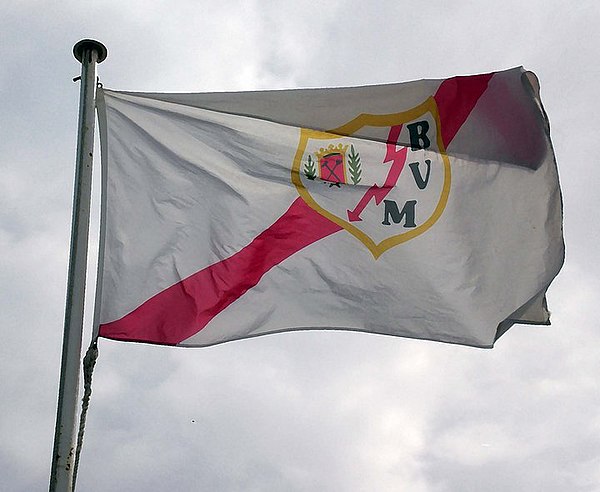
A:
(377, 249)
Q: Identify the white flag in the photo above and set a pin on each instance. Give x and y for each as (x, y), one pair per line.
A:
(429, 210)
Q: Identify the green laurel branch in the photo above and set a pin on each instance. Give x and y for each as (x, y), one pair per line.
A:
(309, 169)
(354, 165)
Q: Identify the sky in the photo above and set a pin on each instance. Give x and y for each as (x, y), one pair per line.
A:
(307, 411)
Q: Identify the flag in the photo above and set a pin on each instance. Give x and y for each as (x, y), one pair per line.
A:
(429, 209)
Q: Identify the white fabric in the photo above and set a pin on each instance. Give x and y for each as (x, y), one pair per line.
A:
(194, 178)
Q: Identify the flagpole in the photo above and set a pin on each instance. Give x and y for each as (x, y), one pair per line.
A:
(89, 53)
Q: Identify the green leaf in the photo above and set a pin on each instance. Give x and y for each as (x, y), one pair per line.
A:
(354, 165)
(309, 169)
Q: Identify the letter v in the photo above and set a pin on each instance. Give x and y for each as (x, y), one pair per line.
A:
(414, 167)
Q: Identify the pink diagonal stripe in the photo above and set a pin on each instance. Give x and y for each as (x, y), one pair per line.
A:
(455, 99)
(186, 307)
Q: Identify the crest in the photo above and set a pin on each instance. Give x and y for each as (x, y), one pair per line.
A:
(384, 178)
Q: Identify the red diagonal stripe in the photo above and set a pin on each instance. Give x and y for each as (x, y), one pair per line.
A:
(455, 99)
(183, 309)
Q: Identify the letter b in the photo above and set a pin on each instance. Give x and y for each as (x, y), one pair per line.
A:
(418, 135)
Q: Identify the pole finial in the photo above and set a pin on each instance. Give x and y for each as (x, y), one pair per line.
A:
(89, 44)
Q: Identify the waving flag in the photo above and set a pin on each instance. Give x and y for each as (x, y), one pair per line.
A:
(429, 210)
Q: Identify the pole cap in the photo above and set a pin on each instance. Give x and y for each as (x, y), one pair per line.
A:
(89, 44)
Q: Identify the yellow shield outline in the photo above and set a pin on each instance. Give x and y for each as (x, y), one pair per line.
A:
(348, 129)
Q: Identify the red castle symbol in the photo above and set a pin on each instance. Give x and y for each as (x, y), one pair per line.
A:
(332, 163)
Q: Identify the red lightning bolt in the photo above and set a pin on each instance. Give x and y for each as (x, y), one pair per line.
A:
(398, 159)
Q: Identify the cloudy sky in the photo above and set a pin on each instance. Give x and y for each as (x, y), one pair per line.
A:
(300, 411)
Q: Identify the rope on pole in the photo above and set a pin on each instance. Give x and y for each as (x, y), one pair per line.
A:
(89, 362)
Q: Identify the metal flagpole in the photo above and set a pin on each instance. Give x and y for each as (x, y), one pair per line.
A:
(89, 53)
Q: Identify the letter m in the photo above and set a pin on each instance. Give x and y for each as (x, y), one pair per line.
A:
(407, 213)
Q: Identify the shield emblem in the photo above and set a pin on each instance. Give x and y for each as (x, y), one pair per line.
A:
(384, 178)
(332, 164)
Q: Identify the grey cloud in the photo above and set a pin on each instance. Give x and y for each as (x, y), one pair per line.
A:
(302, 411)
